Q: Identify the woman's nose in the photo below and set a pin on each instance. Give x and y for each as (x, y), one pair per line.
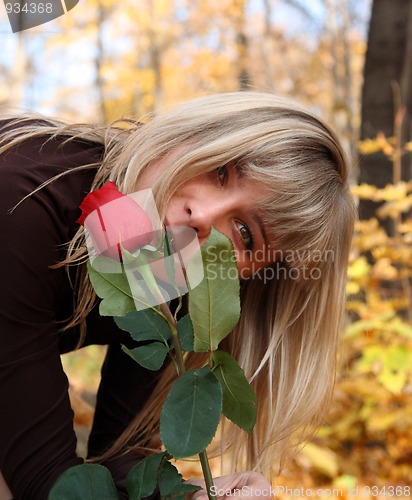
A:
(202, 216)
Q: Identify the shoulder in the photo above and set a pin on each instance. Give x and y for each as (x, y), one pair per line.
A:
(29, 158)
(35, 160)
(29, 143)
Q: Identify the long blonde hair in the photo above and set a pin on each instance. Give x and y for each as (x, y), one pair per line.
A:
(288, 335)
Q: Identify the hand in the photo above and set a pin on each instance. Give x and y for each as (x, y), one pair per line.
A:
(243, 484)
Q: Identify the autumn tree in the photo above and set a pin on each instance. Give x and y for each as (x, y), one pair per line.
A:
(387, 93)
(239, 21)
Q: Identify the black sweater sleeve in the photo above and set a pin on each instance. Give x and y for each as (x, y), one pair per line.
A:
(37, 441)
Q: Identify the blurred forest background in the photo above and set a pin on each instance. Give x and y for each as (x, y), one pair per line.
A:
(351, 62)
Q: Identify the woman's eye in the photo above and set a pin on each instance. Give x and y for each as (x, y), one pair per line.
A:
(246, 235)
(222, 173)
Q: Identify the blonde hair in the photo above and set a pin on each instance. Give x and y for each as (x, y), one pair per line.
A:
(288, 334)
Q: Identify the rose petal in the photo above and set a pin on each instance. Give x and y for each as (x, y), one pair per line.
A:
(122, 221)
(97, 199)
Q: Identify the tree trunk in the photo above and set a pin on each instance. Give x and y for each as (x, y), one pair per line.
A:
(267, 45)
(406, 96)
(98, 61)
(155, 56)
(388, 64)
(349, 129)
(241, 44)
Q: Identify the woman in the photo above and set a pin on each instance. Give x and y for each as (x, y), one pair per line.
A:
(258, 167)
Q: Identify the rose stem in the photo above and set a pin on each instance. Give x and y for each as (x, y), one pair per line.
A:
(207, 474)
(175, 338)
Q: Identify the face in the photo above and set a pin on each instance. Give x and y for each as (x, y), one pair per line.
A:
(227, 201)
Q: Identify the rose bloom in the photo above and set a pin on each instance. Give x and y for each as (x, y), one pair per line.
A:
(113, 219)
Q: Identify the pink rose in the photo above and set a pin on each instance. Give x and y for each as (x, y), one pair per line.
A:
(112, 218)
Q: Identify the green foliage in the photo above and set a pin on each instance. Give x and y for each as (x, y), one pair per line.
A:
(191, 413)
(239, 399)
(149, 356)
(186, 333)
(171, 483)
(114, 290)
(84, 482)
(192, 410)
(142, 479)
(144, 325)
(214, 305)
(156, 470)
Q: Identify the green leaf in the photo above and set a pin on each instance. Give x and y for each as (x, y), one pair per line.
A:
(191, 413)
(171, 483)
(84, 482)
(114, 290)
(185, 329)
(141, 481)
(149, 356)
(214, 305)
(239, 399)
(144, 325)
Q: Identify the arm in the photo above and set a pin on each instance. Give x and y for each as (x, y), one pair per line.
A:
(124, 388)
(37, 441)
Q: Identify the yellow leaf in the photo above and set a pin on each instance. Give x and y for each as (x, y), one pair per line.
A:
(369, 146)
(377, 323)
(359, 268)
(394, 381)
(401, 417)
(395, 208)
(383, 270)
(369, 235)
(356, 328)
(367, 226)
(322, 459)
(346, 482)
(391, 192)
(352, 288)
(364, 191)
(398, 326)
(391, 365)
